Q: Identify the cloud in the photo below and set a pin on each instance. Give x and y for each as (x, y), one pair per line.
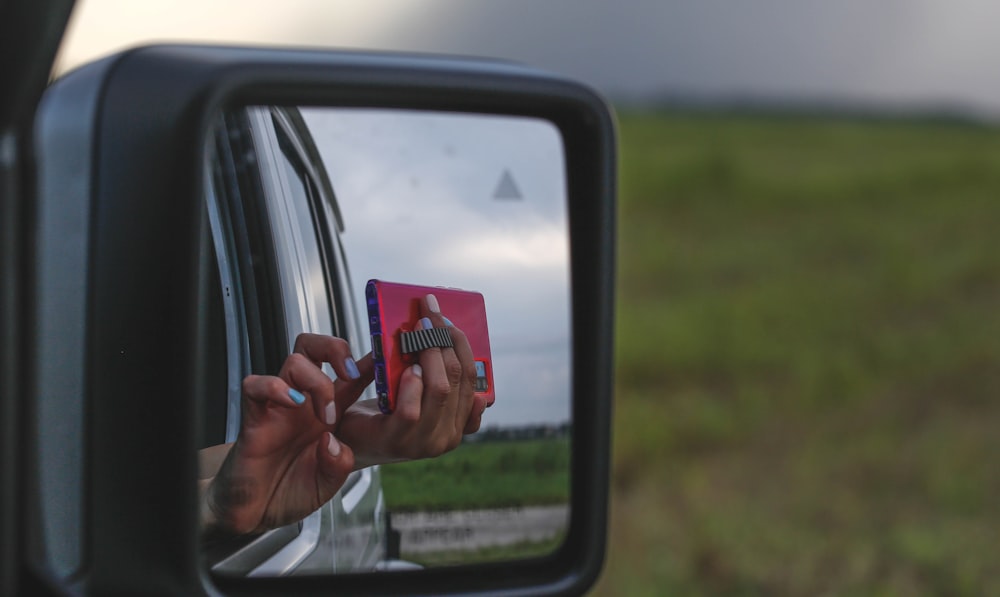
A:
(903, 51)
(890, 51)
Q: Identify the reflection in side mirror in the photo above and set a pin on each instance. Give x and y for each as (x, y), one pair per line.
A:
(305, 207)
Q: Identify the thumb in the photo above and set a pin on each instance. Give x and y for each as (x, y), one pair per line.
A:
(334, 462)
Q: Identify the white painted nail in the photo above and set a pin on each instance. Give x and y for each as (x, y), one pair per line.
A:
(330, 413)
(432, 304)
(333, 446)
(418, 370)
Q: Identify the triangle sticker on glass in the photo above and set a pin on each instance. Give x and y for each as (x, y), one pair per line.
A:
(507, 188)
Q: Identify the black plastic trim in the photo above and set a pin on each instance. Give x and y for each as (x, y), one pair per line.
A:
(256, 256)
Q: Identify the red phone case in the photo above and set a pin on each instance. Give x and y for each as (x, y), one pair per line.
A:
(394, 308)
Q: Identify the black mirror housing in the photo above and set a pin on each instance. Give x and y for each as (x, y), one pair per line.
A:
(119, 360)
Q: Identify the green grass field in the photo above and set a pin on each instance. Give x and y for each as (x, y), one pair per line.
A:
(482, 475)
(808, 358)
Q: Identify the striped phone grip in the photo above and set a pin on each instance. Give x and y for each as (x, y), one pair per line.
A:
(418, 340)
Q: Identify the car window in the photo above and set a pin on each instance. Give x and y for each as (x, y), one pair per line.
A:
(316, 209)
(301, 196)
(280, 273)
(246, 309)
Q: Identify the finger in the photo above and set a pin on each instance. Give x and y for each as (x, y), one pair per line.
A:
(349, 390)
(459, 364)
(437, 387)
(431, 310)
(411, 389)
(262, 389)
(467, 381)
(327, 349)
(475, 419)
(454, 410)
(335, 461)
(304, 375)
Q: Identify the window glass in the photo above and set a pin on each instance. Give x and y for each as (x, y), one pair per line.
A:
(314, 277)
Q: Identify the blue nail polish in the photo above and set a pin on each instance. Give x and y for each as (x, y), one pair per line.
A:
(425, 323)
(352, 368)
(296, 396)
(448, 322)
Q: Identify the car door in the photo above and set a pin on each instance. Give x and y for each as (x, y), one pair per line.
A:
(281, 271)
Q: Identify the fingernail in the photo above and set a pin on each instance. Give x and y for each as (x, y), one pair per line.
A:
(352, 368)
(418, 370)
(296, 396)
(448, 322)
(330, 413)
(425, 323)
(432, 304)
(333, 446)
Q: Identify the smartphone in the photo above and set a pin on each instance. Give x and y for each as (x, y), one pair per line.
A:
(394, 310)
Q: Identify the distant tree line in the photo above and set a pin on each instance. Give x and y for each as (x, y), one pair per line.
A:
(525, 432)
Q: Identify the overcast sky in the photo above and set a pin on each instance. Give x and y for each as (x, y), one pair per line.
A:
(891, 52)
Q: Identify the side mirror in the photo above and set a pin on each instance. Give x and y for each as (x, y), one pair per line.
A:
(131, 264)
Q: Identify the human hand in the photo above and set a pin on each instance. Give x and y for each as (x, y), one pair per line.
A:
(435, 406)
(286, 462)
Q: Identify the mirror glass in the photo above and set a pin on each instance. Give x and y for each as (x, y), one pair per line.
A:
(468, 201)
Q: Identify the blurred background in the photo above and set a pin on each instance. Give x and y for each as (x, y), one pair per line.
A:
(808, 368)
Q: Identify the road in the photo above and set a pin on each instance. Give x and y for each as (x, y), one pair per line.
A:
(444, 531)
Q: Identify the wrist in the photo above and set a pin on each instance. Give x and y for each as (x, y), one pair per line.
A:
(209, 520)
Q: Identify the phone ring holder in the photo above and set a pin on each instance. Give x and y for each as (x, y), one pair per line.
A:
(418, 340)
